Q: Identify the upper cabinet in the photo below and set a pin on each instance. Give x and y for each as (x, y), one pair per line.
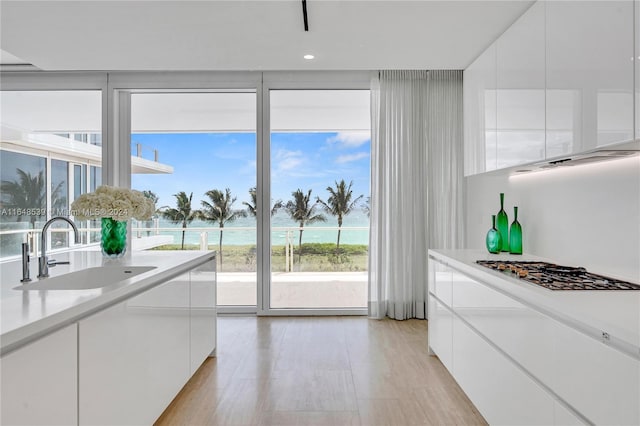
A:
(521, 90)
(479, 98)
(589, 74)
(559, 81)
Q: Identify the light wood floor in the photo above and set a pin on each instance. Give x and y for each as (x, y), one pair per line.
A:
(321, 371)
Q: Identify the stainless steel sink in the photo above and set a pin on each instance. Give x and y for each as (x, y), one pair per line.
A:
(86, 279)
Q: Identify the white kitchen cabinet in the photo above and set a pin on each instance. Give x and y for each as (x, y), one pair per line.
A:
(559, 81)
(202, 314)
(441, 332)
(479, 101)
(440, 282)
(564, 417)
(134, 356)
(597, 380)
(522, 364)
(589, 75)
(521, 332)
(521, 90)
(503, 394)
(39, 381)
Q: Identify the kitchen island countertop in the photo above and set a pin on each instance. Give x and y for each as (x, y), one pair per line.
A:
(29, 315)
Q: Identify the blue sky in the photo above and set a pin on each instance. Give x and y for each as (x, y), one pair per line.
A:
(204, 161)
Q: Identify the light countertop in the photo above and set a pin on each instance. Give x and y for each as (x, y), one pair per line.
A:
(616, 312)
(28, 315)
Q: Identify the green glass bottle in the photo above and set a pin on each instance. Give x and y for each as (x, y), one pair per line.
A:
(515, 234)
(494, 239)
(502, 223)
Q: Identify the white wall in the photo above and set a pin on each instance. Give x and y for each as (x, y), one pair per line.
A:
(585, 215)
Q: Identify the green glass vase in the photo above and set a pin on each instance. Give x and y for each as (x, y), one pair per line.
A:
(113, 237)
(494, 239)
(502, 223)
(515, 234)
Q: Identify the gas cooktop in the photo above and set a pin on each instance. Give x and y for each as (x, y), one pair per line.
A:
(556, 277)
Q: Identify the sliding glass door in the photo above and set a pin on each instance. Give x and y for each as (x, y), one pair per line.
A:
(319, 174)
(197, 155)
(194, 155)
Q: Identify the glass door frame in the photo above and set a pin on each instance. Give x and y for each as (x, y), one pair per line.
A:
(311, 80)
(123, 84)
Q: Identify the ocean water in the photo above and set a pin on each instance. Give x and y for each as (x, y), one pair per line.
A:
(234, 234)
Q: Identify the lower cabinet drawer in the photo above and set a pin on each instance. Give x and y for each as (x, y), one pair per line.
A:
(523, 333)
(440, 332)
(600, 382)
(564, 417)
(500, 390)
(440, 281)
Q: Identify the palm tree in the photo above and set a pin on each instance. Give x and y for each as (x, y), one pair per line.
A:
(367, 207)
(183, 213)
(154, 198)
(150, 195)
(28, 192)
(252, 206)
(339, 203)
(301, 211)
(220, 210)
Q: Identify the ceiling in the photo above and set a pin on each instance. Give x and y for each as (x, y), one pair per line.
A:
(251, 35)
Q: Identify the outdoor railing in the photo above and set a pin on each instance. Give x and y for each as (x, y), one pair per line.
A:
(144, 151)
(284, 241)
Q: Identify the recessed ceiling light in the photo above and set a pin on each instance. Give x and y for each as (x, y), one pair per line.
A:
(308, 57)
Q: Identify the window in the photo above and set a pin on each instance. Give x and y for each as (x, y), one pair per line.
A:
(23, 196)
(43, 170)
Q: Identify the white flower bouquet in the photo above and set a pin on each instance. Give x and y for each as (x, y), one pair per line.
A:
(119, 204)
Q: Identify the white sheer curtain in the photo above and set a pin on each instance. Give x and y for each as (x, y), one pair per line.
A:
(416, 184)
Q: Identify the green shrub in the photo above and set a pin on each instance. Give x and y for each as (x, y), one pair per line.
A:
(316, 257)
(330, 248)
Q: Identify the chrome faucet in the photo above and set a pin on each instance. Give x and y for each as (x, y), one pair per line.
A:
(25, 263)
(43, 261)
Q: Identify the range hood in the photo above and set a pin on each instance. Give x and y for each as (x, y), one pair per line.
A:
(624, 150)
(590, 157)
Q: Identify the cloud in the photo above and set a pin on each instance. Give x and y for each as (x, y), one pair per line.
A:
(350, 139)
(351, 157)
(286, 160)
(249, 168)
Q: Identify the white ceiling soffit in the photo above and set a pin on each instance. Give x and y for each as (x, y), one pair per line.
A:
(52, 111)
(193, 112)
(320, 110)
(252, 35)
(291, 110)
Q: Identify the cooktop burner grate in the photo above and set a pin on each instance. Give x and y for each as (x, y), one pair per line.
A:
(557, 277)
